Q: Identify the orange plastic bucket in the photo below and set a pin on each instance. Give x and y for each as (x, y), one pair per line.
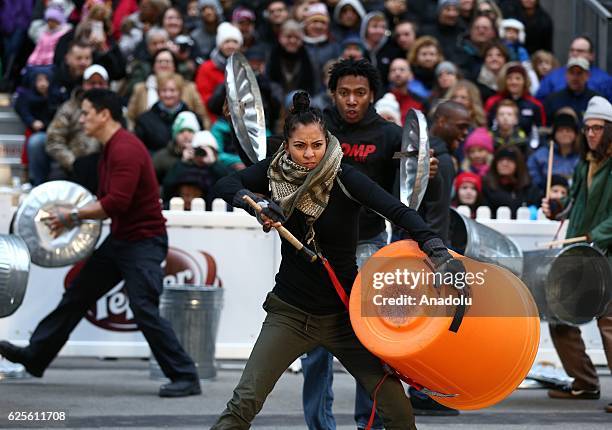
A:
(482, 363)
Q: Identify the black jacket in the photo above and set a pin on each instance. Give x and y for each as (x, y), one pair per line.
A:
(496, 197)
(306, 285)
(368, 145)
(31, 106)
(154, 127)
(436, 203)
(447, 36)
(539, 29)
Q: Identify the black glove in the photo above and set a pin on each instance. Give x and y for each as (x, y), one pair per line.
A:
(269, 208)
(443, 262)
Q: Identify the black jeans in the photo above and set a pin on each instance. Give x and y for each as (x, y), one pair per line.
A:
(138, 263)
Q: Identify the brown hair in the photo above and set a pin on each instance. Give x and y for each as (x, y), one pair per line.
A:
(521, 175)
(509, 103)
(423, 42)
(476, 111)
(513, 67)
(164, 78)
(540, 56)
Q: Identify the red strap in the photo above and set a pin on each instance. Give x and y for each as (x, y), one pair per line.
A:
(374, 394)
(336, 282)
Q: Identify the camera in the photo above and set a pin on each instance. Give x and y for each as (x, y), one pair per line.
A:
(183, 42)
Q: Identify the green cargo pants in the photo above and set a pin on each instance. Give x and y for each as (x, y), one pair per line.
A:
(289, 332)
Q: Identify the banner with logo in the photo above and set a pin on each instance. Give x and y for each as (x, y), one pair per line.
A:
(242, 261)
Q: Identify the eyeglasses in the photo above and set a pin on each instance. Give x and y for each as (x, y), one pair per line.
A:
(596, 129)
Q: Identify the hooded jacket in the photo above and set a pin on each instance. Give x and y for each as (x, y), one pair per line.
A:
(369, 145)
(382, 54)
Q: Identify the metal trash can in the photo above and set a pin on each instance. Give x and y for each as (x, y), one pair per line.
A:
(482, 243)
(194, 313)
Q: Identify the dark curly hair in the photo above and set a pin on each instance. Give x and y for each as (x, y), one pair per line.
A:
(302, 113)
(351, 67)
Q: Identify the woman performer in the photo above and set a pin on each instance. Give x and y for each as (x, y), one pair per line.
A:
(318, 199)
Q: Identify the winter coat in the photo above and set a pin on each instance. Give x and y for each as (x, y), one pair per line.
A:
(154, 127)
(599, 81)
(141, 101)
(567, 97)
(66, 139)
(293, 71)
(499, 196)
(228, 148)
(539, 28)
(45, 47)
(208, 77)
(531, 111)
(562, 165)
(591, 211)
(447, 36)
(32, 106)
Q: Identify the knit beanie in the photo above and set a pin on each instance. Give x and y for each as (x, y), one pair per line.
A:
(203, 139)
(563, 119)
(225, 32)
(316, 11)
(512, 23)
(448, 67)
(388, 104)
(444, 3)
(559, 180)
(214, 4)
(185, 121)
(468, 177)
(481, 138)
(598, 108)
(54, 12)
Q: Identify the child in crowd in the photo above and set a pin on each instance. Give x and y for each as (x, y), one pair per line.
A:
(506, 131)
(36, 111)
(512, 32)
(543, 63)
(478, 149)
(559, 188)
(55, 29)
(389, 108)
(468, 191)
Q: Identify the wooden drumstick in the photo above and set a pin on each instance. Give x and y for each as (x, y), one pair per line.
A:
(551, 155)
(562, 242)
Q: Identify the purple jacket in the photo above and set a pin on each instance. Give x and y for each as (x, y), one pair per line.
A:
(15, 14)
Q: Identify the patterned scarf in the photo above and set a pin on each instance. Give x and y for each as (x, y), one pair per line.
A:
(294, 186)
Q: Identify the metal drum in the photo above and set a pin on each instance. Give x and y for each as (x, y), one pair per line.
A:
(482, 243)
(246, 107)
(194, 313)
(14, 271)
(571, 285)
(71, 246)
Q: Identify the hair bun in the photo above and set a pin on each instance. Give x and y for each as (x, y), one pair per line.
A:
(301, 102)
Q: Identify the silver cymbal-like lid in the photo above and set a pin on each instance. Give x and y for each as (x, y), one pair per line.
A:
(72, 245)
(14, 271)
(414, 160)
(246, 107)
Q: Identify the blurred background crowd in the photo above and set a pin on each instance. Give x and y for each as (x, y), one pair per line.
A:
(167, 59)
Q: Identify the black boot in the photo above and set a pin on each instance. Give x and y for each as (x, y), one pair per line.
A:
(20, 355)
(429, 406)
(180, 388)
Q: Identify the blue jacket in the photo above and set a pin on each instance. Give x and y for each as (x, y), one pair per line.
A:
(538, 165)
(599, 81)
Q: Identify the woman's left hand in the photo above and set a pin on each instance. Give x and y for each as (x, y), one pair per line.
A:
(268, 224)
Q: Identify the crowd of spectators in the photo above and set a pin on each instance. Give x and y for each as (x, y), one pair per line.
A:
(167, 60)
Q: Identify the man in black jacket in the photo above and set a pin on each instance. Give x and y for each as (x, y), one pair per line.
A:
(450, 127)
(369, 143)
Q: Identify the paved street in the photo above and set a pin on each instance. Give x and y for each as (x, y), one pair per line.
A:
(119, 394)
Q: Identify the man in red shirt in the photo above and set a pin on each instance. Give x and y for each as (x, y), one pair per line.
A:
(128, 194)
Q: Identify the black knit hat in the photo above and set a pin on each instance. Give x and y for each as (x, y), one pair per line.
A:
(564, 119)
(559, 180)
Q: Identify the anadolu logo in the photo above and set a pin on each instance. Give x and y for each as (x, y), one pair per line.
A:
(112, 311)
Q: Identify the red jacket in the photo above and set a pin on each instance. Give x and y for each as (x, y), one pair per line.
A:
(207, 79)
(128, 189)
(407, 102)
(531, 111)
